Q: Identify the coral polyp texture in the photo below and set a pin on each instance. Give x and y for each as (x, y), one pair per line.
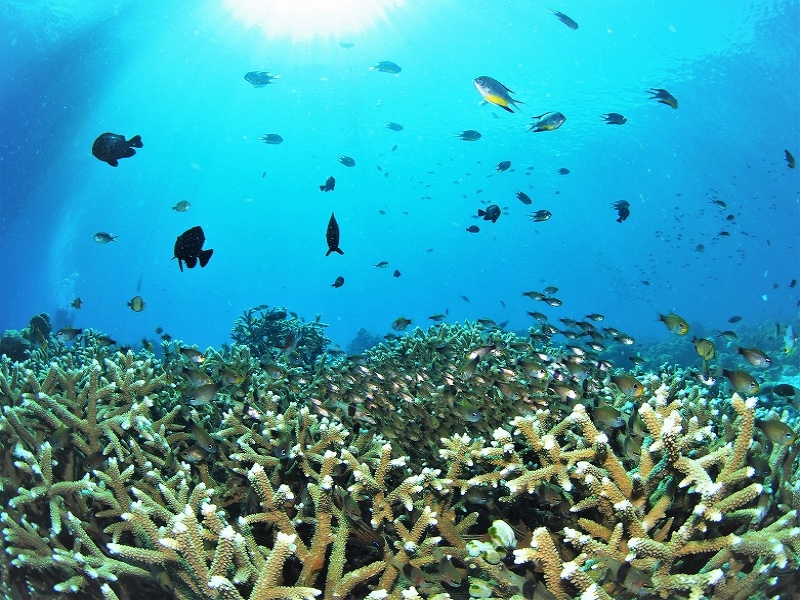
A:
(446, 464)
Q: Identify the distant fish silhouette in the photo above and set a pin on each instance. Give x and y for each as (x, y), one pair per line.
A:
(332, 236)
(189, 248)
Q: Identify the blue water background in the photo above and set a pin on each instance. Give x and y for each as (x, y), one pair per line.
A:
(173, 73)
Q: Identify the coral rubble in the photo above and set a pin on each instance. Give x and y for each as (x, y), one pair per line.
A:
(458, 462)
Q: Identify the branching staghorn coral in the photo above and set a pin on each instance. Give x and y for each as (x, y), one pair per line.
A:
(307, 488)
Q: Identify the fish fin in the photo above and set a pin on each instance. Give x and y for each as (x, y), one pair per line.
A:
(136, 141)
(180, 264)
(205, 256)
(191, 262)
(505, 108)
(113, 162)
(329, 251)
(481, 212)
(322, 188)
(339, 250)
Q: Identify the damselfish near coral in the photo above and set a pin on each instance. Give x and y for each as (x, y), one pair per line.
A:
(117, 481)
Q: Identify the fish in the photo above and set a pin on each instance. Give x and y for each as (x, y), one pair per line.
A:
(473, 229)
(65, 334)
(540, 215)
(381, 265)
(523, 197)
(196, 377)
(347, 161)
(194, 455)
(202, 438)
(755, 357)
(339, 282)
(437, 317)
(396, 273)
(259, 78)
(777, 431)
(663, 97)
(182, 206)
(346, 45)
(534, 295)
(469, 135)
(595, 316)
(608, 416)
(136, 304)
(789, 159)
(492, 213)
(271, 138)
(189, 248)
(549, 121)
(564, 19)
(101, 237)
(394, 126)
(614, 119)
(502, 166)
(720, 203)
(77, 303)
(111, 147)
(628, 385)
(330, 184)
(623, 210)
(563, 171)
(674, 323)
(734, 319)
(194, 355)
(495, 92)
(784, 390)
(705, 348)
(105, 340)
(400, 323)
(332, 236)
(386, 66)
(203, 394)
(741, 381)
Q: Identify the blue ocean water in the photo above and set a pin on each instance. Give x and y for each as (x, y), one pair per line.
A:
(174, 74)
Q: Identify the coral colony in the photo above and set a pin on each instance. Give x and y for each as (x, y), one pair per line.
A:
(442, 464)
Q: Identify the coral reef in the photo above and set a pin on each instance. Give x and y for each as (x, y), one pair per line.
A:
(449, 463)
(17, 345)
(272, 332)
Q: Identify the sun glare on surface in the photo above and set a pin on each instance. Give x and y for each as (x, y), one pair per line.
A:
(309, 19)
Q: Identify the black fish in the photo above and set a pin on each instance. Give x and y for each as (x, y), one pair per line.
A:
(330, 183)
(396, 273)
(789, 159)
(332, 236)
(492, 213)
(189, 248)
(614, 119)
(339, 282)
(623, 210)
(473, 229)
(564, 19)
(259, 78)
(110, 147)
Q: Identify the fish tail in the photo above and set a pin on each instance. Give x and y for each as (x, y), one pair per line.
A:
(322, 188)
(136, 141)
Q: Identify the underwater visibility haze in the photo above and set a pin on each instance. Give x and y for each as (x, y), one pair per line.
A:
(376, 268)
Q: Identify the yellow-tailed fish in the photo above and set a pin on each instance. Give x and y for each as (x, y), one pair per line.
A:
(741, 381)
(203, 439)
(495, 92)
(674, 323)
(663, 97)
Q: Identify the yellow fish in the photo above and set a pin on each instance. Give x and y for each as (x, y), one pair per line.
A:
(741, 381)
(705, 348)
(495, 92)
(674, 323)
(777, 431)
(628, 385)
